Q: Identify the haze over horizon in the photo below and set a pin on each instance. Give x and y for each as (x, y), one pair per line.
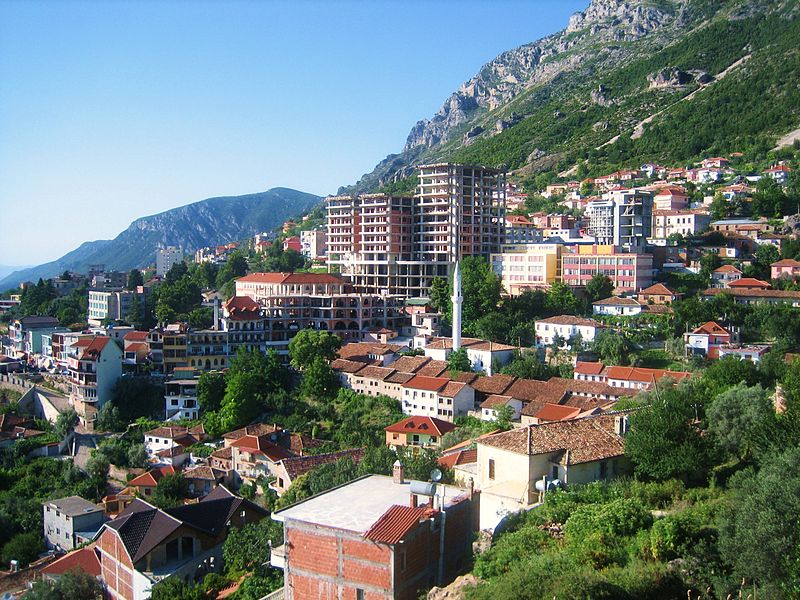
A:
(119, 111)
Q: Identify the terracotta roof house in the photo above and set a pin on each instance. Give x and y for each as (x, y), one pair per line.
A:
(145, 545)
(438, 397)
(565, 327)
(86, 560)
(787, 268)
(722, 276)
(640, 377)
(491, 407)
(417, 431)
(588, 371)
(617, 306)
(553, 412)
(254, 456)
(751, 296)
(289, 469)
(202, 479)
(484, 356)
(145, 484)
(707, 339)
(658, 293)
(574, 451)
(748, 283)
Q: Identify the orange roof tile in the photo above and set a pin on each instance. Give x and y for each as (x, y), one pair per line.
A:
(588, 368)
(297, 278)
(84, 560)
(431, 384)
(556, 412)
(427, 425)
(395, 523)
(151, 478)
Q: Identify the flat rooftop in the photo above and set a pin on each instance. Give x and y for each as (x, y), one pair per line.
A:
(356, 506)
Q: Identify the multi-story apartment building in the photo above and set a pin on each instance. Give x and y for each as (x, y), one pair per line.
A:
(294, 301)
(70, 521)
(180, 399)
(207, 349)
(527, 266)
(313, 243)
(621, 218)
(25, 335)
(683, 222)
(173, 347)
(95, 365)
(110, 279)
(630, 271)
(395, 245)
(109, 305)
(166, 258)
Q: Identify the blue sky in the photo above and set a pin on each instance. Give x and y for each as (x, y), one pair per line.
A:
(110, 111)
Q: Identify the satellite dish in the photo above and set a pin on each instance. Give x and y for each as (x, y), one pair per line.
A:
(436, 475)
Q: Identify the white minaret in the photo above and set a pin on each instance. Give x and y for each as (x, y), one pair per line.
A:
(457, 299)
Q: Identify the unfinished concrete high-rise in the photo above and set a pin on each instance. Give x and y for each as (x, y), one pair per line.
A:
(396, 245)
(621, 218)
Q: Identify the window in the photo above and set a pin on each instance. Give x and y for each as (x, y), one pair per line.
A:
(491, 468)
(554, 473)
(359, 594)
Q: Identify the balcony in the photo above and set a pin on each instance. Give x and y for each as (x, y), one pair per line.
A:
(277, 559)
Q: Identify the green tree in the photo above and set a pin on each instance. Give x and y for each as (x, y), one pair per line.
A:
(440, 295)
(23, 547)
(756, 534)
(481, 288)
(599, 287)
(737, 416)
(527, 365)
(250, 546)
(170, 491)
(201, 318)
(458, 361)
(664, 440)
(211, 390)
(69, 586)
(135, 279)
(720, 208)
(138, 396)
(612, 347)
(108, 418)
(174, 588)
(561, 300)
(310, 344)
(65, 422)
(769, 200)
(726, 373)
(319, 381)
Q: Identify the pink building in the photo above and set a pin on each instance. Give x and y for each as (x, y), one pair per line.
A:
(628, 271)
(786, 268)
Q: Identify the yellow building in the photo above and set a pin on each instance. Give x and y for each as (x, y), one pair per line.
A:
(527, 266)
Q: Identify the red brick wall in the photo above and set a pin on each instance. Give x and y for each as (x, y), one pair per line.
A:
(112, 558)
(311, 552)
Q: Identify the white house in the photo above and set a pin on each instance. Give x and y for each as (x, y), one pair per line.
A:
(437, 397)
(617, 306)
(484, 356)
(491, 406)
(754, 353)
(567, 327)
(180, 399)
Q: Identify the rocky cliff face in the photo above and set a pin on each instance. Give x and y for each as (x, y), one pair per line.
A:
(501, 80)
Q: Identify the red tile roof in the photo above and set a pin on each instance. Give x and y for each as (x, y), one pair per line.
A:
(151, 478)
(495, 400)
(576, 441)
(136, 336)
(711, 328)
(588, 368)
(84, 560)
(410, 364)
(727, 269)
(556, 412)
(433, 368)
(749, 282)
(92, 347)
(452, 389)
(426, 425)
(493, 384)
(243, 308)
(658, 289)
(299, 465)
(431, 384)
(643, 375)
(750, 293)
(261, 445)
(786, 262)
(461, 457)
(571, 320)
(395, 523)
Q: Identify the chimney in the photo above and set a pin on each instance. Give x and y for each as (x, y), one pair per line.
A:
(470, 487)
(398, 472)
(413, 500)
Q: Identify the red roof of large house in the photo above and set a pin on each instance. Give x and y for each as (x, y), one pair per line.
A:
(242, 308)
(426, 425)
(556, 412)
(643, 374)
(92, 347)
(261, 444)
(136, 336)
(431, 384)
(749, 282)
(727, 269)
(588, 368)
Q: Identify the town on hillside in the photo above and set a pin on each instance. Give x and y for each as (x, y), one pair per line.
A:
(349, 402)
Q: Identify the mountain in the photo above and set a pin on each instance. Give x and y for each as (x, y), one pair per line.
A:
(6, 269)
(205, 223)
(625, 81)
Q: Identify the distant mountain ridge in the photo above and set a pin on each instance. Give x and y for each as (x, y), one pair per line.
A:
(205, 223)
(616, 86)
